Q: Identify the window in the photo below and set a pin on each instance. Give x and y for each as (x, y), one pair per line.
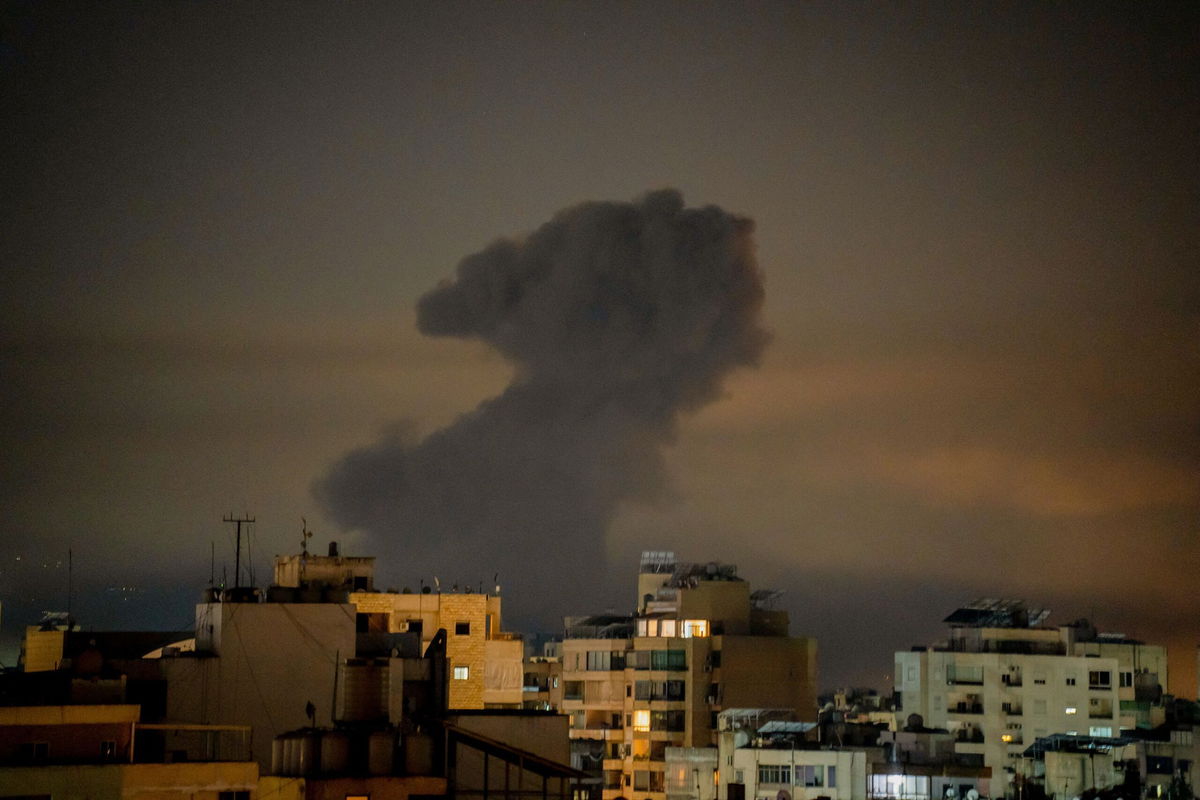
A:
(34, 751)
(667, 628)
(461, 673)
(831, 777)
(1070, 680)
(1099, 679)
(641, 780)
(572, 690)
(1039, 678)
(108, 750)
(641, 719)
(1126, 680)
(414, 626)
(695, 628)
(599, 660)
(739, 776)
(245, 795)
(462, 629)
(672, 660)
(810, 775)
(1100, 730)
(774, 773)
(667, 720)
(1070, 710)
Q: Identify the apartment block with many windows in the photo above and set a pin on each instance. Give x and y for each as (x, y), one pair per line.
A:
(1003, 680)
(700, 642)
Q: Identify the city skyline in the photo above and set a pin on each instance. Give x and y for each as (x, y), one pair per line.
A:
(976, 228)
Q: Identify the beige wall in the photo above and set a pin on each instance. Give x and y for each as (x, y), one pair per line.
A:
(492, 659)
(541, 734)
(43, 649)
(727, 601)
(268, 661)
(194, 781)
(769, 672)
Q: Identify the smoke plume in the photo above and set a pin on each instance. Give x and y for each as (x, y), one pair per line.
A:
(618, 317)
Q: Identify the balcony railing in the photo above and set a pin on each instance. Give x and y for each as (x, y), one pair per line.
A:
(965, 708)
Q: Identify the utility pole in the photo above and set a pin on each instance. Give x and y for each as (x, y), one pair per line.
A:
(237, 559)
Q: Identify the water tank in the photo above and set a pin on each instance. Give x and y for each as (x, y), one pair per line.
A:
(291, 755)
(278, 766)
(308, 749)
(335, 752)
(381, 748)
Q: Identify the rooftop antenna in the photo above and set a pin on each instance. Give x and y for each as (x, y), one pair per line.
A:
(70, 571)
(237, 559)
(305, 535)
(212, 563)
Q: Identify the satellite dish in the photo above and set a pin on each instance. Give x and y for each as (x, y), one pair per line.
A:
(951, 793)
(972, 794)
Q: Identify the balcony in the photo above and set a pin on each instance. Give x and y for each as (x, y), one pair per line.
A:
(965, 708)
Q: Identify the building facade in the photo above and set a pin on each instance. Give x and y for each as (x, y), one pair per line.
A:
(700, 642)
(1003, 679)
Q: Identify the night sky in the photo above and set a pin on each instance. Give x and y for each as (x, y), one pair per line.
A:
(955, 354)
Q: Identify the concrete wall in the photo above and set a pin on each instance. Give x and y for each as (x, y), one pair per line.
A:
(268, 660)
(132, 781)
(542, 734)
(769, 672)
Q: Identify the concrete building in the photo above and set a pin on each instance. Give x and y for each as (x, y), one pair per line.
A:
(261, 664)
(486, 667)
(102, 751)
(1003, 679)
(701, 641)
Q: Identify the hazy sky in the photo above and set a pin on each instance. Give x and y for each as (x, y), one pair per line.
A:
(977, 226)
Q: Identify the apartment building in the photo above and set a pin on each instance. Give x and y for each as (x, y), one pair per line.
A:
(1003, 679)
(701, 641)
(485, 662)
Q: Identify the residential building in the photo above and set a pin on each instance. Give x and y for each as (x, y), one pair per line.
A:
(103, 751)
(700, 642)
(1003, 679)
(486, 667)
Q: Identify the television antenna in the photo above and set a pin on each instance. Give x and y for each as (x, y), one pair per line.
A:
(237, 559)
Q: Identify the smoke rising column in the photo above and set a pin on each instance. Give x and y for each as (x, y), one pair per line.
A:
(618, 318)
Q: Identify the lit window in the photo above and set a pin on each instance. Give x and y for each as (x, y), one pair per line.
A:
(1070, 710)
(461, 673)
(668, 627)
(641, 720)
(695, 628)
(1006, 738)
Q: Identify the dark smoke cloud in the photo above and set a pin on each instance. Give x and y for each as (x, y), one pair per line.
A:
(618, 317)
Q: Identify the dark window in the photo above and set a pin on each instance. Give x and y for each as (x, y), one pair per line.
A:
(244, 795)
(673, 660)
(414, 626)
(108, 750)
(462, 629)
(31, 752)
(360, 583)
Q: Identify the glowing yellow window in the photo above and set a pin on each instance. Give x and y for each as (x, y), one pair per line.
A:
(641, 720)
(697, 628)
